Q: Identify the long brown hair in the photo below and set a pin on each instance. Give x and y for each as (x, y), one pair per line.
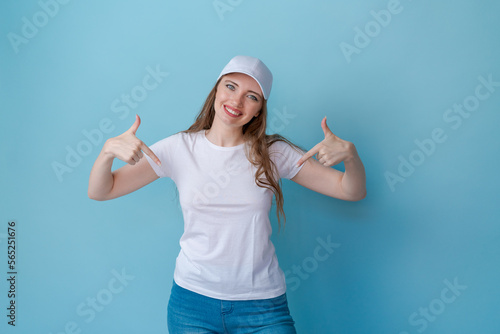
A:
(254, 132)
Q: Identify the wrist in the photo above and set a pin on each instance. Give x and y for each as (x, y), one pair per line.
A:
(106, 151)
(352, 153)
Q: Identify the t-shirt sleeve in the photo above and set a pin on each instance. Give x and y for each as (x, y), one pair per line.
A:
(285, 158)
(165, 150)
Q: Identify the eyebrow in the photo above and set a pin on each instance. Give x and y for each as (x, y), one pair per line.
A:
(251, 91)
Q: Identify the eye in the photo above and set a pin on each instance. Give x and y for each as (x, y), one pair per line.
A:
(253, 97)
(231, 87)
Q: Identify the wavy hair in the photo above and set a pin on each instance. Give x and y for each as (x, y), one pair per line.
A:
(257, 152)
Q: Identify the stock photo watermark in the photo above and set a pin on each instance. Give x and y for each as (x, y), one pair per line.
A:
(222, 7)
(88, 309)
(121, 107)
(277, 119)
(421, 318)
(260, 313)
(31, 26)
(12, 272)
(372, 29)
(301, 272)
(454, 118)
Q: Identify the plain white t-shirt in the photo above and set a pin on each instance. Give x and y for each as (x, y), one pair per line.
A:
(225, 251)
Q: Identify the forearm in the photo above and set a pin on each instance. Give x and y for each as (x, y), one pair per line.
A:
(101, 178)
(354, 179)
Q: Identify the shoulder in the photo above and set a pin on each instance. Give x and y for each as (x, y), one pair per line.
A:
(279, 144)
(283, 151)
(285, 156)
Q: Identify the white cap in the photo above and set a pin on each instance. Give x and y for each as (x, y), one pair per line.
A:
(253, 67)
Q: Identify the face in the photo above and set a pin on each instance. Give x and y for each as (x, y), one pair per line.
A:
(238, 100)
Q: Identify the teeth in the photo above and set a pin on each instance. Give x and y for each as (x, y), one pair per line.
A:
(231, 112)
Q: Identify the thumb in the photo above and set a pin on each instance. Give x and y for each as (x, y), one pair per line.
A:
(326, 129)
(136, 124)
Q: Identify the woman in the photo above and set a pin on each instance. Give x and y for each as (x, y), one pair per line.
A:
(227, 278)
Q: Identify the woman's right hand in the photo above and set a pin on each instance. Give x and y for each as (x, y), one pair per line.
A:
(128, 148)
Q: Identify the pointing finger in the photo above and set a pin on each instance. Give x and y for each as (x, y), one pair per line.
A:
(309, 154)
(150, 154)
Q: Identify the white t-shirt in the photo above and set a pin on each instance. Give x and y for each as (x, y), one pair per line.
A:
(225, 251)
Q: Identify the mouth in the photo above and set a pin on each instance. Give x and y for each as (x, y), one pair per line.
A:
(232, 112)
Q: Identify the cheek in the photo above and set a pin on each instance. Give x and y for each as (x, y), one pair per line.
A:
(257, 108)
(219, 100)
(221, 95)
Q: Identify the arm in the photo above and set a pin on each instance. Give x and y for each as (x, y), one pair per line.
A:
(318, 176)
(105, 184)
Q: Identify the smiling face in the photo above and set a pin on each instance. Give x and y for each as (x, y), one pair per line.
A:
(238, 100)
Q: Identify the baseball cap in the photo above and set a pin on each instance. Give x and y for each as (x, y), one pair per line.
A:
(253, 67)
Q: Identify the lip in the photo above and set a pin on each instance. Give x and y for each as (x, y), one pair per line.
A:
(228, 113)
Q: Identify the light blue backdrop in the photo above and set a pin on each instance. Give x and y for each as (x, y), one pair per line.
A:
(414, 84)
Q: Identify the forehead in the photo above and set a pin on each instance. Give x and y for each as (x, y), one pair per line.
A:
(244, 81)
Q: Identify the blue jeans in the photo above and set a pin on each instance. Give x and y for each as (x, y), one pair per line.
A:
(190, 312)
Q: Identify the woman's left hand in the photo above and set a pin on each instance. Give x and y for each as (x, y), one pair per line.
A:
(330, 151)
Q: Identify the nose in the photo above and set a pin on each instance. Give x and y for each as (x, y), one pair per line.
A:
(238, 99)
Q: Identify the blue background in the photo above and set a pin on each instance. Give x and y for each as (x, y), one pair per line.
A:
(396, 249)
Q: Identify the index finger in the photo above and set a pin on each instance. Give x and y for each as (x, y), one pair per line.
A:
(150, 154)
(308, 155)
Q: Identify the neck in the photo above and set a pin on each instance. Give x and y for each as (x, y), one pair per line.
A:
(224, 136)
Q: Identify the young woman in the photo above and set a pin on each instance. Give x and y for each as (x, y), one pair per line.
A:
(227, 278)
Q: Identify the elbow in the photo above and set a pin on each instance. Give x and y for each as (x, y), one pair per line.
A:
(357, 197)
(93, 197)
(96, 197)
(361, 196)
